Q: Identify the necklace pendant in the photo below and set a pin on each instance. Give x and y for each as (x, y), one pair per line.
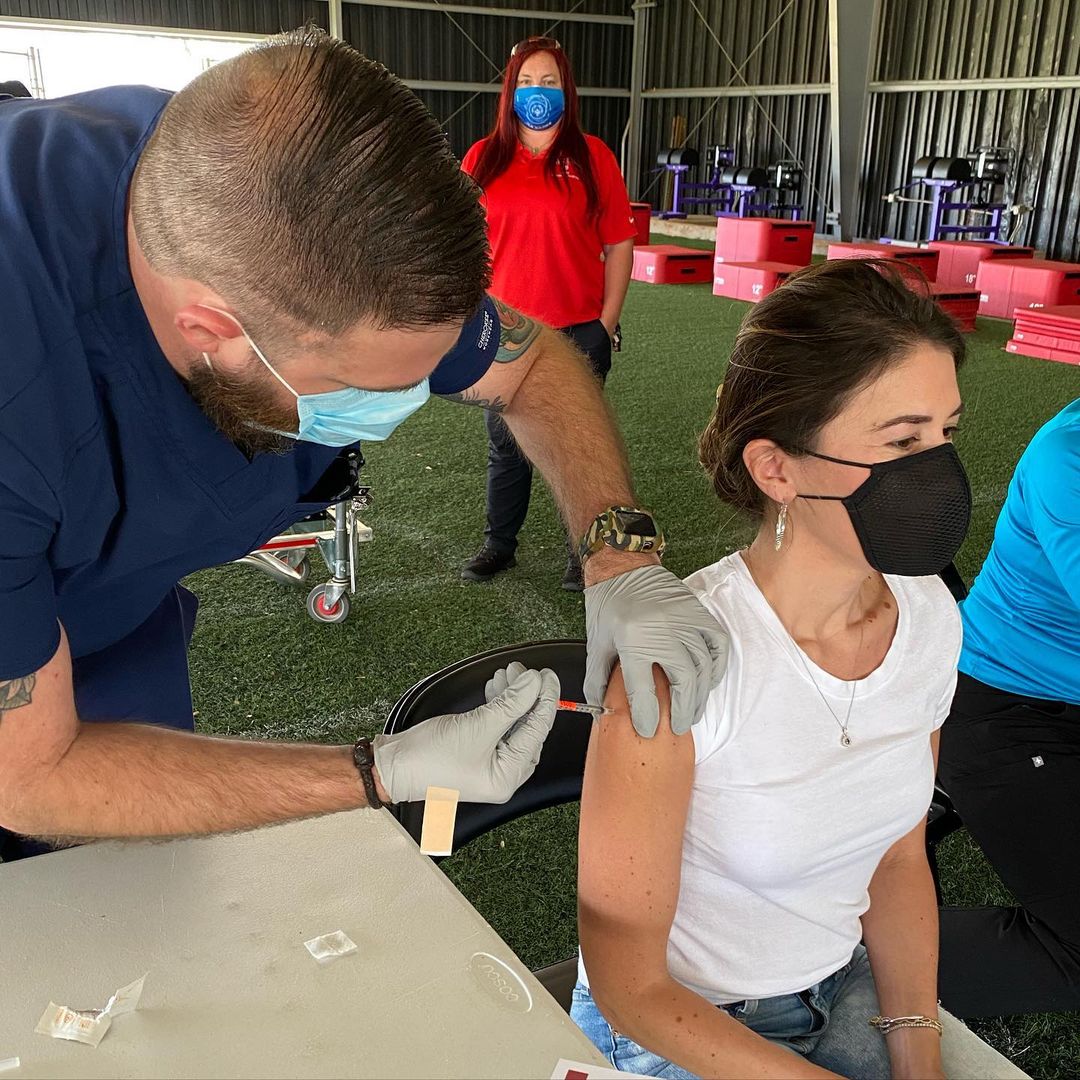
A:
(845, 739)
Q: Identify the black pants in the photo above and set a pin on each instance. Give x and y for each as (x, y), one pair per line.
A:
(1011, 765)
(509, 473)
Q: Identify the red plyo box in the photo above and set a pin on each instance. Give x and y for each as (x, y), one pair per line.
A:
(1022, 348)
(642, 215)
(750, 281)
(1063, 318)
(958, 260)
(1049, 328)
(1007, 284)
(925, 259)
(747, 240)
(962, 304)
(670, 264)
(1047, 341)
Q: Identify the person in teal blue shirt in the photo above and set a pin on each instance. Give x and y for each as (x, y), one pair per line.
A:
(1010, 749)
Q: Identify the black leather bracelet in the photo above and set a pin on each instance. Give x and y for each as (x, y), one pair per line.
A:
(363, 756)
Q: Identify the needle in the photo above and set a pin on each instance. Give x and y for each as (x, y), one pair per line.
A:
(579, 706)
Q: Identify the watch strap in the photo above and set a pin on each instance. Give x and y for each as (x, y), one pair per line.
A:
(364, 760)
(606, 531)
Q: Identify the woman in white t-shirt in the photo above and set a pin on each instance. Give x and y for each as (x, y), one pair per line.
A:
(753, 894)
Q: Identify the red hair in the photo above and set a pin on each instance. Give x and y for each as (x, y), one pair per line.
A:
(569, 147)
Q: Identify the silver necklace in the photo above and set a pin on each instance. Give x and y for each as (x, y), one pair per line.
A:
(845, 738)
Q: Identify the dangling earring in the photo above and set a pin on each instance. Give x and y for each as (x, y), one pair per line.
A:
(781, 526)
(206, 358)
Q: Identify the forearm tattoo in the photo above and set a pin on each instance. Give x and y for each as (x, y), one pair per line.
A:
(15, 693)
(516, 333)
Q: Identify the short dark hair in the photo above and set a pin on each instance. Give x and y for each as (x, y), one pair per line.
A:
(305, 182)
(803, 351)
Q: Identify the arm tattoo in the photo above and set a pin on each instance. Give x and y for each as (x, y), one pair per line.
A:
(16, 692)
(516, 334)
(471, 397)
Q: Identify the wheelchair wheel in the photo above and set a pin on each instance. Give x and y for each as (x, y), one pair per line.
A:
(322, 612)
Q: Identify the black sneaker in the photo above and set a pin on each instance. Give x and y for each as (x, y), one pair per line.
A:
(572, 580)
(486, 564)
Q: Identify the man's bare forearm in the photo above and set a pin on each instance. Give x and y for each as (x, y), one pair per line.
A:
(555, 407)
(563, 424)
(133, 780)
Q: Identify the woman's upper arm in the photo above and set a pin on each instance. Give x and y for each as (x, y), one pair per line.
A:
(633, 813)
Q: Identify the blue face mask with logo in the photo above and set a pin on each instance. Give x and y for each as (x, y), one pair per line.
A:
(539, 107)
(342, 417)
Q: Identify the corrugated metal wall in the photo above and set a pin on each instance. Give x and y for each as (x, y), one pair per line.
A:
(427, 45)
(978, 39)
(682, 53)
(774, 42)
(235, 16)
(432, 45)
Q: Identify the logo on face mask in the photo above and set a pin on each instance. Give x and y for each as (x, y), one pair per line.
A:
(539, 107)
(911, 515)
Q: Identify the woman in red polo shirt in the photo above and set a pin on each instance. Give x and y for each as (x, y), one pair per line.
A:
(562, 248)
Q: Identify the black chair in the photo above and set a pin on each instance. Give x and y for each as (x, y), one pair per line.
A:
(943, 818)
(557, 779)
(954, 582)
(14, 89)
(558, 776)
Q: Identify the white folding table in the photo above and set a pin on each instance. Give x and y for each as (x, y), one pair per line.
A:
(220, 924)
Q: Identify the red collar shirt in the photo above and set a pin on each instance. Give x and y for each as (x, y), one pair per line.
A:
(547, 252)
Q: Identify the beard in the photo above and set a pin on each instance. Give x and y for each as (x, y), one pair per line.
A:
(241, 408)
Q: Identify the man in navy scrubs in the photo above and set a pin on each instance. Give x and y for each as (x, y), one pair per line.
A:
(203, 297)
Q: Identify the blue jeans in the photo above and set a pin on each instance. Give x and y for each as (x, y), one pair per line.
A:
(826, 1024)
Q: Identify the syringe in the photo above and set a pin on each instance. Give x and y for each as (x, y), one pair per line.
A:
(580, 706)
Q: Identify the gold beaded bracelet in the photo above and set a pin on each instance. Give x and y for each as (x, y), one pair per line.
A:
(885, 1024)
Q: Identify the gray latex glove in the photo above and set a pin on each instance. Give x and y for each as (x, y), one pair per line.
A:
(502, 678)
(645, 617)
(486, 754)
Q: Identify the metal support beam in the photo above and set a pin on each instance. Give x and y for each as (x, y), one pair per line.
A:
(14, 23)
(506, 13)
(634, 123)
(855, 23)
(1032, 82)
(496, 87)
(773, 90)
(335, 28)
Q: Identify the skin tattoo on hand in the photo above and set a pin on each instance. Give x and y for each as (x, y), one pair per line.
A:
(16, 692)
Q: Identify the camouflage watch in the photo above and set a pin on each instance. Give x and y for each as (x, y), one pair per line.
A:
(624, 528)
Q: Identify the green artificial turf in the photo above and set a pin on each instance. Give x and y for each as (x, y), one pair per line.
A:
(262, 668)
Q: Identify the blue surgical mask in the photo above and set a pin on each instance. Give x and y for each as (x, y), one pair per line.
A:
(539, 107)
(342, 417)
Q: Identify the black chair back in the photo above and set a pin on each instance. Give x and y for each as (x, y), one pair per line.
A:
(460, 687)
(954, 582)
